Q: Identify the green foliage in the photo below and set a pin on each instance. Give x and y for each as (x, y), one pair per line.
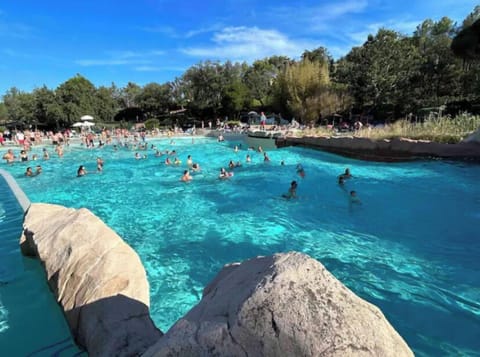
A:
(152, 124)
(76, 97)
(154, 99)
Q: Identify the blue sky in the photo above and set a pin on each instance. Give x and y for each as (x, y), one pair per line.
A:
(142, 41)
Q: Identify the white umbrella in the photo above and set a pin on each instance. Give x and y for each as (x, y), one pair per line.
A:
(77, 125)
(86, 117)
(88, 123)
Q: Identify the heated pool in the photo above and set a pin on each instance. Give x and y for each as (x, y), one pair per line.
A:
(411, 247)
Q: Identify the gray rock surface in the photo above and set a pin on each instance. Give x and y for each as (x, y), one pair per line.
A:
(281, 305)
(96, 277)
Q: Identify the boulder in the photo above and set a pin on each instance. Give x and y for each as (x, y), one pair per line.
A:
(96, 277)
(281, 305)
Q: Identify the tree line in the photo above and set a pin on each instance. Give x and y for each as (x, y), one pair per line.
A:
(389, 76)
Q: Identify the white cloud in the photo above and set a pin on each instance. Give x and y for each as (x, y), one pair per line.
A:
(320, 17)
(158, 69)
(109, 62)
(248, 44)
(202, 30)
(404, 27)
(122, 58)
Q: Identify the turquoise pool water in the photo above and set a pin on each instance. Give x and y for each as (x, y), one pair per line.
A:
(31, 322)
(412, 247)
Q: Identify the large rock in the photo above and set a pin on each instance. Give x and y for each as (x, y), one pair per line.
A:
(282, 305)
(97, 278)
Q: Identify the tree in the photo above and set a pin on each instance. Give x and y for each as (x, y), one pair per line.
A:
(259, 80)
(47, 109)
(204, 88)
(307, 87)
(20, 106)
(128, 95)
(154, 99)
(76, 97)
(105, 104)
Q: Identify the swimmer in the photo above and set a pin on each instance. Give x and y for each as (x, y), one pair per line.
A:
(354, 198)
(23, 155)
(29, 171)
(236, 148)
(341, 180)
(99, 164)
(282, 163)
(186, 176)
(224, 174)
(38, 170)
(231, 164)
(46, 155)
(177, 161)
(167, 161)
(137, 156)
(81, 171)
(158, 153)
(260, 149)
(265, 157)
(34, 157)
(292, 191)
(189, 161)
(248, 159)
(196, 167)
(300, 171)
(9, 156)
(346, 174)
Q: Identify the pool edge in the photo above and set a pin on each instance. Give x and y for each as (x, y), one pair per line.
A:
(21, 197)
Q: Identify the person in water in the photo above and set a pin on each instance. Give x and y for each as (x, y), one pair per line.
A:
(341, 180)
(9, 156)
(354, 198)
(231, 164)
(265, 157)
(167, 161)
(99, 164)
(196, 167)
(46, 155)
(224, 174)
(81, 171)
(189, 161)
(29, 171)
(186, 176)
(292, 191)
(346, 174)
(300, 171)
(248, 159)
(38, 170)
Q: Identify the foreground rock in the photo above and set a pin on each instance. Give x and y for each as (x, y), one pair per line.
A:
(282, 305)
(97, 278)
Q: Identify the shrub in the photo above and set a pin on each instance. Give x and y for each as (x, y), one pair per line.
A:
(152, 124)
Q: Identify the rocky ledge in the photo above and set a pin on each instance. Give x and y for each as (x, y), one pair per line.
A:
(96, 277)
(400, 149)
(281, 305)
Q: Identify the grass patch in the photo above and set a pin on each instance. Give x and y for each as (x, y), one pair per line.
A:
(442, 129)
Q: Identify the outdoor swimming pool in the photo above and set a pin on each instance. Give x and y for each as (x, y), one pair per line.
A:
(411, 247)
